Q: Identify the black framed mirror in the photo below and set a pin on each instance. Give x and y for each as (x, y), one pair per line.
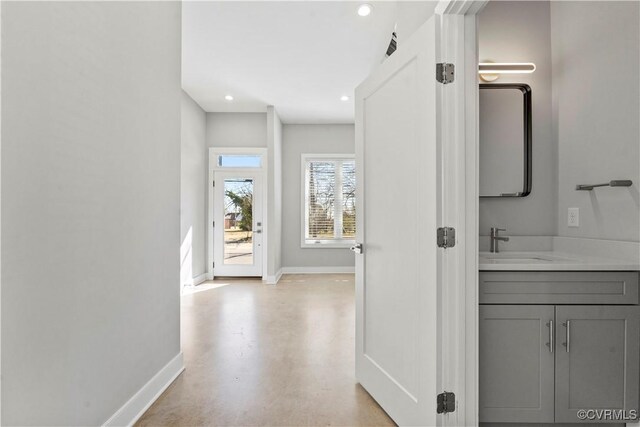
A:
(505, 140)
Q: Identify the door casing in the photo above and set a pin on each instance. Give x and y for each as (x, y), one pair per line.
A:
(459, 112)
(213, 167)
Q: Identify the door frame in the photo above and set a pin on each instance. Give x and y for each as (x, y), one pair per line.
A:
(213, 167)
(459, 127)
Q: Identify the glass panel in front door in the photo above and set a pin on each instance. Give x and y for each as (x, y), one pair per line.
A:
(238, 221)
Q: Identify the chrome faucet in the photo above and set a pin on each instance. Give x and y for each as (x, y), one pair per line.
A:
(494, 238)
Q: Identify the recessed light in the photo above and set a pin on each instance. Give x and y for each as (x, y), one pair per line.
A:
(344, 98)
(365, 9)
(228, 97)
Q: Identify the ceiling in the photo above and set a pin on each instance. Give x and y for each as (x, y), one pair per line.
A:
(300, 57)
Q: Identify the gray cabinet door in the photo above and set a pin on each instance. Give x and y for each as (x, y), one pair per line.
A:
(516, 363)
(597, 360)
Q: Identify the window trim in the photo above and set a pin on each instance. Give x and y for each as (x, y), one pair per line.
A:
(321, 244)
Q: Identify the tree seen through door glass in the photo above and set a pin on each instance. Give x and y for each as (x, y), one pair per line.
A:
(238, 221)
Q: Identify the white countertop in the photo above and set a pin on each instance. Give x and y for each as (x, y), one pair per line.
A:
(551, 261)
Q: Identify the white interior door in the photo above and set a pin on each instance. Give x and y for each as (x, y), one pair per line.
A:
(238, 223)
(398, 272)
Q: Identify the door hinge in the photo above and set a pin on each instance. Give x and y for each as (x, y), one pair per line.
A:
(446, 237)
(213, 264)
(445, 72)
(446, 402)
(213, 224)
(214, 183)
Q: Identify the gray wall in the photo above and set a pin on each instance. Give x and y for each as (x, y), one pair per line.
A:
(193, 177)
(519, 31)
(309, 139)
(90, 205)
(596, 109)
(274, 196)
(237, 130)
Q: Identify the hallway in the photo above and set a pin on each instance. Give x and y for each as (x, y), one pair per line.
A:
(268, 355)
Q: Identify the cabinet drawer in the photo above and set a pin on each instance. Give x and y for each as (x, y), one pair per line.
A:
(558, 287)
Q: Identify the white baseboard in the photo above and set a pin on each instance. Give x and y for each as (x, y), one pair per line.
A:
(195, 281)
(273, 280)
(199, 279)
(318, 270)
(131, 411)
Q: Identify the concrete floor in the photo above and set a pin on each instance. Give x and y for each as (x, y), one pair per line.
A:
(268, 355)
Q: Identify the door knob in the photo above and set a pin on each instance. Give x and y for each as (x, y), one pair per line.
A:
(357, 248)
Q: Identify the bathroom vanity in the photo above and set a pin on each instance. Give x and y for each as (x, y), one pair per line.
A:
(559, 332)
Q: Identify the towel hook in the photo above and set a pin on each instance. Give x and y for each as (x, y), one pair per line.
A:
(615, 183)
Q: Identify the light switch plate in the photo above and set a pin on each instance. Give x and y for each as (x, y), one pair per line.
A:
(573, 217)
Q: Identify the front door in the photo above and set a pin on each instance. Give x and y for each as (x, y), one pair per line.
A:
(398, 269)
(237, 229)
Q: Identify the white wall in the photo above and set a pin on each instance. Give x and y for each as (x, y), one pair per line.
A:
(309, 139)
(596, 109)
(519, 31)
(274, 194)
(237, 130)
(411, 15)
(90, 205)
(193, 178)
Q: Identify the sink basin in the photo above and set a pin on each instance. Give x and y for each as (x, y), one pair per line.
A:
(519, 260)
(506, 258)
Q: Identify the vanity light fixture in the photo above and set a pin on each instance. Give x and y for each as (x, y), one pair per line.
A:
(365, 9)
(228, 97)
(490, 71)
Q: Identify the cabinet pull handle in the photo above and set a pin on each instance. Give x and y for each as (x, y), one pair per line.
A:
(550, 325)
(568, 342)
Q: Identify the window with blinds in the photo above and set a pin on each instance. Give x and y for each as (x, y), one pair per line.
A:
(330, 202)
